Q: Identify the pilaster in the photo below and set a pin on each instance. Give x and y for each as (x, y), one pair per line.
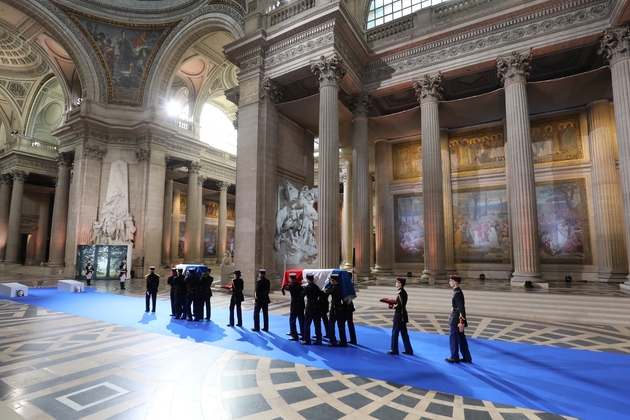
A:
(15, 217)
(59, 228)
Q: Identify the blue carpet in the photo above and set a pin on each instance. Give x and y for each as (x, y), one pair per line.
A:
(578, 383)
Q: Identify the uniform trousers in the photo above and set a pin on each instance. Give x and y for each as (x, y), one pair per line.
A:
(296, 316)
(459, 343)
(239, 313)
(340, 321)
(400, 328)
(153, 297)
(265, 310)
(306, 332)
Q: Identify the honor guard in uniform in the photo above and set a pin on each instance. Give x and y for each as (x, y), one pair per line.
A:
(312, 313)
(457, 322)
(337, 314)
(261, 300)
(180, 294)
(400, 319)
(237, 298)
(297, 307)
(153, 281)
(349, 309)
(89, 270)
(171, 282)
(206, 293)
(123, 279)
(191, 307)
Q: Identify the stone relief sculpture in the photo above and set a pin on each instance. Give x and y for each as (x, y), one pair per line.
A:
(115, 224)
(295, 233)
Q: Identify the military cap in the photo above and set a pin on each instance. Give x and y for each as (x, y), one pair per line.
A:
(401, 280)
(458, 279)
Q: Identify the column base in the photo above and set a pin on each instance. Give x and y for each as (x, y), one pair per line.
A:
(433, 277)
(382, 271)
(612, 277)
(625, 286)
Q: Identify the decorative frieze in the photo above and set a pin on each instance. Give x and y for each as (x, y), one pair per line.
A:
(301, 44)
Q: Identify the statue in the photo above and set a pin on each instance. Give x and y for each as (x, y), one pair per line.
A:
(295, 232)
(227, 259)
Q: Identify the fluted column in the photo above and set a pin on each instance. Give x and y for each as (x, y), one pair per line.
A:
(429, 94)
(346, 215)
(362, 186)
(166, 222)
(5, 202)
(329, 72)
(201, 242)
(175, 220)
(59, 227)
(513, 72)
(384, 209)
(611, 246)
(42, 229)
(222, 230)
(191, 234)
(15, 217)
(449, 242)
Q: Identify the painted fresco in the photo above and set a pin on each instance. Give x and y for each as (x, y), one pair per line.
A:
(477, 149)
(182, 238)
(231, 212)
(212, 209)
(210, 241)
(409, 227)
(563, 223)
(557, 138)
(126, 53)
(183, 200)
(480, 224)
(407, 159)
(230, 240)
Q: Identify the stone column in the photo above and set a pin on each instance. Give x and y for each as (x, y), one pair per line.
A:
(59, 227)
(5, 202)
(177, 196)
(384, 209)
(201, 243)
(42, 230)
(191, 234)
(329, 72)
(166, 222)
(15, 217)
(449, 240)
(222, 230)
(362, 186)
(429, 94)
(615, 47)
(611, 245)
(346, 215)
(513, 72)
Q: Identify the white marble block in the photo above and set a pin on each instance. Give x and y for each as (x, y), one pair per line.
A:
(13, 289)
(70, 286)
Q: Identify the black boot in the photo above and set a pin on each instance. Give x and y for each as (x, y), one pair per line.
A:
(122, 286)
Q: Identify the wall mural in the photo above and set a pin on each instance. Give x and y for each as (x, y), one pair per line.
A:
(126, 53)
(477, 149)
(182, 238)
(409, 228)
(557, 138)
(231, 211)
(210, 241)
(480, 224)
(230, 240)
(212, 209)
(407, 159)
(563, 223)
(183, 200)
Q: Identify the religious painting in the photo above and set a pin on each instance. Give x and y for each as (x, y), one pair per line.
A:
(407, 160)
(409, 228)
(229, 244)
(231, 211)
(212, 209)
(126, 53)
(210, 241)
(474, 150)
(563, 223)
(182, 239)
(480, 223)
(183, 200)
(557, 138)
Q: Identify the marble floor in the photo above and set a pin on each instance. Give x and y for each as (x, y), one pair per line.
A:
(59, 366)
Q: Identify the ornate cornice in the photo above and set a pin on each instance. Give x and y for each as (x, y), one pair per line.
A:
(301, 44)
(535, 25)
(515, 67)
(428, 88)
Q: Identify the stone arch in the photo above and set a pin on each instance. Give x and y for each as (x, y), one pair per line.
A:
(220, 78)
(46, 111)
(208, 19)
(70, 37)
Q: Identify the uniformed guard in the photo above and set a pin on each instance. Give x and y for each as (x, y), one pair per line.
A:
(457, 321)
(89, 270)
(400, 319)
(180, 294)
(192, 293)
(312, 313)
(337, 313)
(261, 300)
(297, 307)
(153, 281)
(237, 298)
(123, 279)
(206, 293)
(171, 282)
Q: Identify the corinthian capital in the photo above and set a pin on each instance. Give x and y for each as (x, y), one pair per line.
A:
(515, 67)
(223, 186)
(201, 179)
(94, 152)
(429, 88)
(193, 167)
(5, 179)
(270, 90)
(143, 154)
(360, 104)
(328, 70)
(64, 160)
(18, 175)
(614, 44)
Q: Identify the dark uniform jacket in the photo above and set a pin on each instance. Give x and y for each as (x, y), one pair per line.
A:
(336, 304)
(153, 281)
(297, 301)
(262, 291)
(400, 307)
(459, 308)
(206, 286)
(312, 293)
(237, 289)
(171, 282)
(193, 286)
(180, 286)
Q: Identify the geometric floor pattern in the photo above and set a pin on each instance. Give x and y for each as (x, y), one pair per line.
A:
(59, 366)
